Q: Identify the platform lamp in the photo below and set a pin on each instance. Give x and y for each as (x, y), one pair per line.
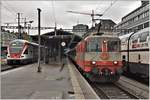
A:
(39, 40)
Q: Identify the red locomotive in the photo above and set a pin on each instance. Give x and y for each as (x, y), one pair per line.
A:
(99, 58)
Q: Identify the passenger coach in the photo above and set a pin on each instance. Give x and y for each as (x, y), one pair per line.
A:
(22, 51)
(136, 53)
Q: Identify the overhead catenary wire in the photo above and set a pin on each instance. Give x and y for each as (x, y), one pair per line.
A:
(8, 8)
(53, 8)
(12, 8)
(112, 3)
(14, 14)
(97, 5)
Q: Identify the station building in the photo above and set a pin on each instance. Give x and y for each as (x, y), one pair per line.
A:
(135, 20)
(80, 29)
(106, 27)
(106, 24)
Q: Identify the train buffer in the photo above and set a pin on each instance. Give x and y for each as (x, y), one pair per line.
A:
(56, 81)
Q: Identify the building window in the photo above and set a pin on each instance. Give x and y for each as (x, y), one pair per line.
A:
(147, 6)
(135, 19)
(146, 24)
(140, 27)
(144, 14)
(140, 16)
(147, 13)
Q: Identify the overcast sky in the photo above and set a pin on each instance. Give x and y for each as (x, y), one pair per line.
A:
(55, 11)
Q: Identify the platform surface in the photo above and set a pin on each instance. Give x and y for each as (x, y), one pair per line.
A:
(25, 83)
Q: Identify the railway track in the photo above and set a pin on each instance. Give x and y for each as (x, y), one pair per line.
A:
(139, 89)
(9, 67)
(112, 91)
(123, 89)
(137, 78)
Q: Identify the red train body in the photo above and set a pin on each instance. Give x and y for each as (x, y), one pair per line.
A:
(99, 58)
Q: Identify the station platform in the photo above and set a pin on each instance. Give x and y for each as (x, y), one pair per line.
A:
(56, 81)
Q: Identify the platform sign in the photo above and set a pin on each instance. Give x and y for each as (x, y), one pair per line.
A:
(63, 44)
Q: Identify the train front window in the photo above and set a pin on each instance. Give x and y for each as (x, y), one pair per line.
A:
(15, 50)
(94, 45)
(113, 46)
(16, 47)
(16, 44)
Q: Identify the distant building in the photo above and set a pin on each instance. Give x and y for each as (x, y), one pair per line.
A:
(135, 20)
(106, 27)
(6, 37)
(80, 29)
(106, 24)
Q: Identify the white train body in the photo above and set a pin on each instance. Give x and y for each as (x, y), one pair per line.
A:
(137, 57)
(22, 51)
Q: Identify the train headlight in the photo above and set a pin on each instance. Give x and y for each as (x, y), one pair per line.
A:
(115, 62)
(104, 41)
(93, 62)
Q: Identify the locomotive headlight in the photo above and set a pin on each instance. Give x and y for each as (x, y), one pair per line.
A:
(93, 62)
(104, 41)
(115, 62)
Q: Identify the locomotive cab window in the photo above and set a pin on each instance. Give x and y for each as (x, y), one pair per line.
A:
(113, 46)
(94, 45)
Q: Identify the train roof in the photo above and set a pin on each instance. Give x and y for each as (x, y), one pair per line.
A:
(24, 41)
(142, 31)
(101, 36)
(139, 32)
(126, 35)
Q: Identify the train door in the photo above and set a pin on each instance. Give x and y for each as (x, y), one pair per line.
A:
(30, 52)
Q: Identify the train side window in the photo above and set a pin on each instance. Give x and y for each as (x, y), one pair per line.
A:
(123, 57)
(123, 41)
(26, 51)
(126, 39)
(144, 36)
(135, 38)
(113, 46)
(139, 56)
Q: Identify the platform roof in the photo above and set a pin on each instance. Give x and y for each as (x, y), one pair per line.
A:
(59, 34)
